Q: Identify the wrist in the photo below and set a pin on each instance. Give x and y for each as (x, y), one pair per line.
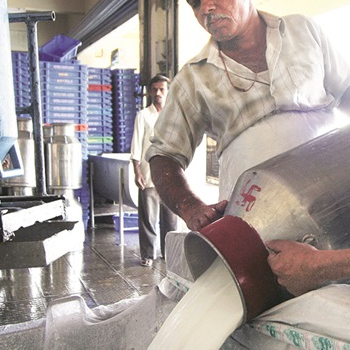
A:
(332, 265)
(186, 205)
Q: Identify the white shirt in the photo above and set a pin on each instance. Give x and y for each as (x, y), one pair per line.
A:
(143, 131)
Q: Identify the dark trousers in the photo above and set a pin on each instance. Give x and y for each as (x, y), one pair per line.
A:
(151, 213)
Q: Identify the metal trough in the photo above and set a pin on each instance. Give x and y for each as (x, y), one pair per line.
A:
(112, 177)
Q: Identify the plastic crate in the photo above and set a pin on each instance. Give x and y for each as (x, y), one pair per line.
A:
(100, 148)
(98, 122)
(131, 222)
(63, 117)
(57, 101)
(52, 73)
(63, 80)
(100, 139)
(48, 85)
(94, 102)
(99, 130)
(66, 66)
(102, 112)
(99, 79)
(65, 94)
(105, 71)
(99, 87)
(47, 107)
(59, 49)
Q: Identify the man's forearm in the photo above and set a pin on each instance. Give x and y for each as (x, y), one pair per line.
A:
(172, 186)
(137, 169)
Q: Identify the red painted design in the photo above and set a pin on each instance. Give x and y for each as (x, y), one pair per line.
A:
(247, 196)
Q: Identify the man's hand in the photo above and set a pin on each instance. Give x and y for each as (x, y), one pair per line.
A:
(295, 265)
(174, 190)
(202, 215)
(140, 181)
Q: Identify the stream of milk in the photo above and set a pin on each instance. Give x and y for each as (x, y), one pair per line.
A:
(208, 313)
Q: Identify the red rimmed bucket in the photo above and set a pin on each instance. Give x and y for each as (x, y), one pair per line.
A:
(244, 254)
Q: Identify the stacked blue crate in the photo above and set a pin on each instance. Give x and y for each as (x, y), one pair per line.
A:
(126, 104)
(100, 111)
(64, 92)
(21, 79)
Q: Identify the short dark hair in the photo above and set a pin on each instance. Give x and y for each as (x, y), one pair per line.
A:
(159, 78)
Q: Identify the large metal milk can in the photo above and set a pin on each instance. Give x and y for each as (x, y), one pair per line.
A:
(24, 185)
(302, 194)
(63, 159)
(8, 124)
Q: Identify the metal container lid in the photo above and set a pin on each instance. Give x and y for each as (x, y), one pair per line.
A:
(63, 129)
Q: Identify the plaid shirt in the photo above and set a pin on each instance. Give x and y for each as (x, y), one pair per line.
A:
(304, 74)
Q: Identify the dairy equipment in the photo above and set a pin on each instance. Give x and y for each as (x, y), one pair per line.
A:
(35, 230)
(302, 195)
(63, 159)
(112, 177)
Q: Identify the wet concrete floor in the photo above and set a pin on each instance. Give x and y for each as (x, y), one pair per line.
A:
(102, 273)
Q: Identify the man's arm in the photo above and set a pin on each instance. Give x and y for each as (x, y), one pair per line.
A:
(301, 268)
(174, 190)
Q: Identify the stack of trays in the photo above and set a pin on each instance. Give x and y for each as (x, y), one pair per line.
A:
(126, 104)
(64, 92)
(99, 110)
(21, 79)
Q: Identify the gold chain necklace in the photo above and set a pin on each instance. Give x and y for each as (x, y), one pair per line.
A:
(228, 76)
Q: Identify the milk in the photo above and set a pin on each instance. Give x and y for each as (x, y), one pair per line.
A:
(208, 313)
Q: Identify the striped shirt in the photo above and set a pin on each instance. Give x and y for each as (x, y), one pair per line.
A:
(304, 74)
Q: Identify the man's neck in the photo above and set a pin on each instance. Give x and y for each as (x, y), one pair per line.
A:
(158, 107)
(249, 49)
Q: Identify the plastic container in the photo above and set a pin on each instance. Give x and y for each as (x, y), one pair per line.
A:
(48, 85)
(66, 66)
(82, 94)
(57, 80)
(59, 49)
(99, 87)
(131, 222)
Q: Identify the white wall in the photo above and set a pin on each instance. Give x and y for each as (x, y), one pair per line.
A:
(125, 38)
(306, 7)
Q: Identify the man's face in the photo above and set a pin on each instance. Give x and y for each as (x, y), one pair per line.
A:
(159, 92)
(223, 19)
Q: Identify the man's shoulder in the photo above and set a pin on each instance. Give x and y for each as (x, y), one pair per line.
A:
(295, 19)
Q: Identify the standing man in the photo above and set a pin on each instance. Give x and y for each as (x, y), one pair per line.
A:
(261, 86)
(150, 208)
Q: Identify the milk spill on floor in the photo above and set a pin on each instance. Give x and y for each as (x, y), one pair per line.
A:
(210, 311)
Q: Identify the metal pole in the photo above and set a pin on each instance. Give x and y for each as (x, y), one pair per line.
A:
(31, 20)
(92, 199)
(121, 211)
